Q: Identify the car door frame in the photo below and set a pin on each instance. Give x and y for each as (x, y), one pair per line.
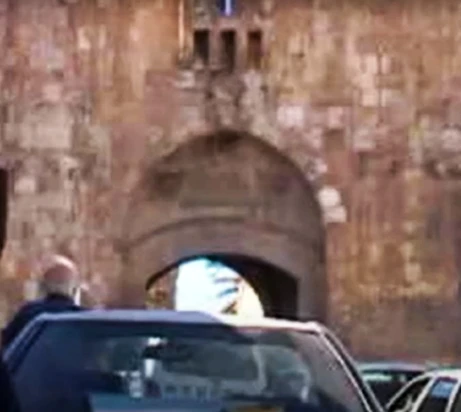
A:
(405, 388)
(453, 396)
(367, 397)
(425, 392)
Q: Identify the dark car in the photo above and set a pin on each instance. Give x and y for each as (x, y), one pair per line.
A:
(182, 361)
(386, 378)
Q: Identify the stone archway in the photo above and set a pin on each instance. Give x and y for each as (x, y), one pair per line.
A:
(229, 194)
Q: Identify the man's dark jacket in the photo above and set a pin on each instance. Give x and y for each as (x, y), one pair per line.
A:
(8, 400)
(53, 303)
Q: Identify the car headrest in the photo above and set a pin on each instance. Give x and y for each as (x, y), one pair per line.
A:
(3, 206)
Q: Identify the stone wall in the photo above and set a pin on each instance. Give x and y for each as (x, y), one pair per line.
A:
(362, 95)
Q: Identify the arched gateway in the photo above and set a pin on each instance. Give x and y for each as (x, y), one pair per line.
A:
(235, 198)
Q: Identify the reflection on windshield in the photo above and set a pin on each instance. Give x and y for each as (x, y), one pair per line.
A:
(176, 362)
(214, 360)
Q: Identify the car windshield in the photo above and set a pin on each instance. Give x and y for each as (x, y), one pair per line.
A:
(74, 365)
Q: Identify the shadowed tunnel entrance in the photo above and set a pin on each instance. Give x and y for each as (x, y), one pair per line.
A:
(274, 287)
(234, 198)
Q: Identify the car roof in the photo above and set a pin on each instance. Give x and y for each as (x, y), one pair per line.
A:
(171, 316)
(391, 366)
(454, 373)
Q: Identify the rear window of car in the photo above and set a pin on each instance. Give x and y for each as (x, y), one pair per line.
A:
(71, 361)
(217, 360)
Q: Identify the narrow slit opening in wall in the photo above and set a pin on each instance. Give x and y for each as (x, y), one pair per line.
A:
(202, 45)
(226, 7)
(363, 164)
(228, 48)
(255, 41)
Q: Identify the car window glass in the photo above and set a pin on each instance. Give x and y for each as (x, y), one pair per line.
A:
(438, 396)
(408, 397)
(186, 363)
(381, 377)
(217, 359)
(384, 385)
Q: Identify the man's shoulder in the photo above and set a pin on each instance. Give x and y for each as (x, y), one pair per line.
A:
(22, 316)
(35, 308)
(59, 305)
(29, 307)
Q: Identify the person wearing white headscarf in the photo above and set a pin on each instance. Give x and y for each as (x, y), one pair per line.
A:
(58, 285)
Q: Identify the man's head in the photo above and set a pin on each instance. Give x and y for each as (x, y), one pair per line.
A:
(60, 276)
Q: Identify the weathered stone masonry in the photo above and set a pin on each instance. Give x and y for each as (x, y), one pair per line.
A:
(363, 96)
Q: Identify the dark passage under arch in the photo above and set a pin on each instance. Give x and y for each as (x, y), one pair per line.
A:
(274, 287)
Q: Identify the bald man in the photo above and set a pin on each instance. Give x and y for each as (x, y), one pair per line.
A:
(58, 287)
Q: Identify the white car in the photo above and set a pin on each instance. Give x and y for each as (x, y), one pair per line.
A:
(133, 360)
(434, 391)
